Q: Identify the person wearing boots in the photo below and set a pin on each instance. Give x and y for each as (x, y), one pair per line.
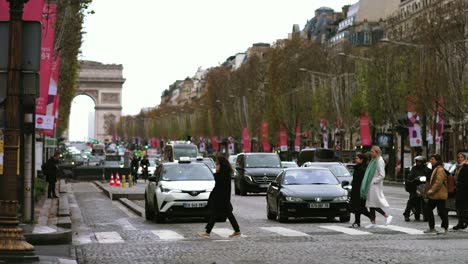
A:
(414, 201)
(461, 193)
(51, 171)
(358, 205)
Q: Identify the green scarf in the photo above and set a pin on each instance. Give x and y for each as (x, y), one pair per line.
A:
(370, 171)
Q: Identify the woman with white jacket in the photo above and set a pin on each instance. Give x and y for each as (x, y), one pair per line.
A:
(372, 187)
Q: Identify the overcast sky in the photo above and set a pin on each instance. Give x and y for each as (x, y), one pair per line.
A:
(159, 42)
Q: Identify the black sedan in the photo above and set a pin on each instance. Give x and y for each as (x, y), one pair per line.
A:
(307, 192)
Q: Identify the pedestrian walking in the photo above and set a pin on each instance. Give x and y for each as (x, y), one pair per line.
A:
(51, 171)
(144, 163)
(134, 165)
(415, 200)
(461, 191)
(357, 204)
(219, 201)
(437, 194)
(372, 187)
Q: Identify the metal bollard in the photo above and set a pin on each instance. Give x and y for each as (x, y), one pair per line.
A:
(123, 181)
(130, 181)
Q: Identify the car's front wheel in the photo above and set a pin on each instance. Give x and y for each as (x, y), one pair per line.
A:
(236, 189)
(270, 214)
(149, 214)
(159, 217)
(242, 188)
(279, 216)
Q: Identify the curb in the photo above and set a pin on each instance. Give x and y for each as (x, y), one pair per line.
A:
(132, 206)
(116, 196)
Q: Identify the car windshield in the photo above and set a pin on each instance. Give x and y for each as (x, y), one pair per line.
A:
(262, 161)
(338, 170)
(187, 172)
(185, 151)
(289, 164)
(306, 177)
(210, 163)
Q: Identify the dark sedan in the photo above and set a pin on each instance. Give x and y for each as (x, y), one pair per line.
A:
(307, 192)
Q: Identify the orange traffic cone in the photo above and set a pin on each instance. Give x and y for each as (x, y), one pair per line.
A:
(117, 180)
(112, 183)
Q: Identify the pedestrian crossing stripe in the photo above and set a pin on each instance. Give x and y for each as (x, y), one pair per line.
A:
(223, 232)
(108, 237)
(167, 234)
(346, 230)
(401, 229)
(284, 231)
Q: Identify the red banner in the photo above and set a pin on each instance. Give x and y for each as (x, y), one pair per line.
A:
(265, 144)
(283, 139)
(158, 143)
(246, 139)
(214, 143)
(297, 141)
(32, 10)
(365, 131)
(47, 50)
(52, 98)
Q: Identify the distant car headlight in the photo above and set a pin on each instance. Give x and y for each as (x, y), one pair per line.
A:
(169, 190)
(121, 165)
(341, 198)
(248, 177)
(293, 199)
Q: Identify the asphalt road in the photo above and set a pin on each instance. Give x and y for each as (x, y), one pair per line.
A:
(107, 232)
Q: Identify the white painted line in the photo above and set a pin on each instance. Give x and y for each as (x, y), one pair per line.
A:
(108, 237)
(284, 231)
(406, 230)
(82, 239)
(224, 232)
(167, 234)
(126, 225)
(43, 230)
(67, 261)
(398, 209)
(346, 230)
(125, 210)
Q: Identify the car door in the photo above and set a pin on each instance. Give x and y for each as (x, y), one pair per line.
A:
(274, 190)
(152, 186)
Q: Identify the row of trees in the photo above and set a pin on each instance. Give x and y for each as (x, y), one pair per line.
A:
(300, 82)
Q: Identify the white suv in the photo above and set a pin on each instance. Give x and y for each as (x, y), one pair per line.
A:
(178, 189)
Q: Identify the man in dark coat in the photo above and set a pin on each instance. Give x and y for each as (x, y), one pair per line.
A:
(134, 165)
(415, 201)
(358, 205)
(219, 201)
(144, 163)
(51, 171)
(461, 194)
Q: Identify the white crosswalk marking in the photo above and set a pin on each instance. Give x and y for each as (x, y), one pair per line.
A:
(346, 230)
(284, 231)
(406, 230)
(167, 234)
(108, 237)
(82, 239)
(223, 232)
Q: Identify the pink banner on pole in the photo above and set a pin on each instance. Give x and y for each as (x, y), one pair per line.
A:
(47, 52)
(32, 10)
(283, 134)
(214, 143)
(297, 140)
(158, 143)
(365, 131)
(265, 144)
(246, 139)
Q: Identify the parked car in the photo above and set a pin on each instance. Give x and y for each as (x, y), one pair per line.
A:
(337, 168)
(289, 164)
(255, 171)
(178, 189)
(307, 192)
(314, 155)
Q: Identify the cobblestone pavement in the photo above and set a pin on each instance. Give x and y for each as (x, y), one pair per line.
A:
(108, 233)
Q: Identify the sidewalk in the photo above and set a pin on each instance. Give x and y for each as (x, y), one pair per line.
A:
(51, 233)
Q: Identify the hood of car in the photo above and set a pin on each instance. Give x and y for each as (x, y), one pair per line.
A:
(189, 185)
(312, 191)
(262, 171)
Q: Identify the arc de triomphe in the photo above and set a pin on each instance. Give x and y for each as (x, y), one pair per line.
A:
(103, 83)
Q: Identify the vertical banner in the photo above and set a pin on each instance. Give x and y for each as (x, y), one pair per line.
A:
(246, 139)
(230, 145)
(414, 129)
(297, 140)
(47, 50)
(214, 143)
(265, 144)
(32, 10)
(323, 130)
(202, 145)
(52, 98)
(365, 131)
(158, 143)
(283, 134)
(439, 123)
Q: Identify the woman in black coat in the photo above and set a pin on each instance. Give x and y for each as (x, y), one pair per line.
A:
(461, 193)
(358, 205)
(219, 201)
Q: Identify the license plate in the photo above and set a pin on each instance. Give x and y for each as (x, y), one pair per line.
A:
(264, 185)
(319, 205)
(195, 205)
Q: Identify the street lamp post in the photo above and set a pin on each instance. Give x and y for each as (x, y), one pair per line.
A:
(13, 246)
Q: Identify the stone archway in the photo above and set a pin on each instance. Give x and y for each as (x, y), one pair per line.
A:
(103, 83)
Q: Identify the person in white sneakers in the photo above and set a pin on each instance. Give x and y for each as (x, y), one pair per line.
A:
(372, 187)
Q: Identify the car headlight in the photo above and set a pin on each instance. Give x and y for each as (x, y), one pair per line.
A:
(208, 190)
(169, 190)
(341, 198)
(248, 177)
(293, 199)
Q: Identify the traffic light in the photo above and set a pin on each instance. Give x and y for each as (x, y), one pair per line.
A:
(146, 146)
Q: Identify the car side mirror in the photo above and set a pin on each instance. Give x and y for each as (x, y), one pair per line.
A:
(273, 183)
(344, 183)
(152, 179)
